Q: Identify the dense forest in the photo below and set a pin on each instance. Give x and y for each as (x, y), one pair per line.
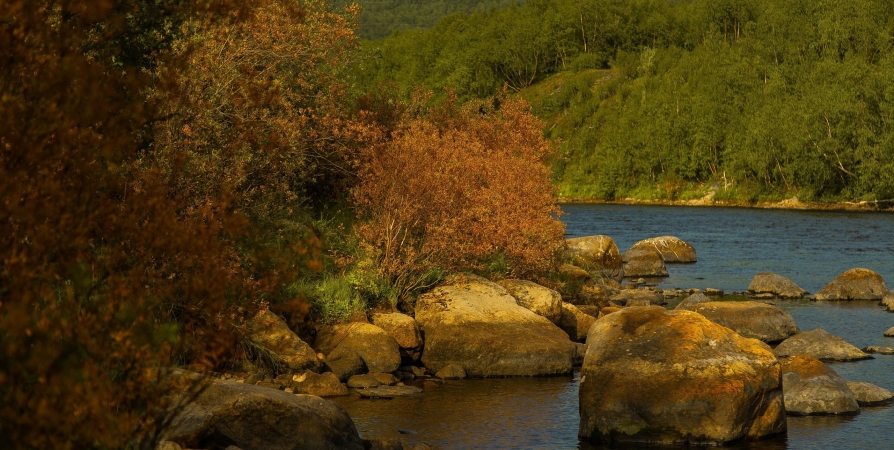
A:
(752, 99)
(379, 18)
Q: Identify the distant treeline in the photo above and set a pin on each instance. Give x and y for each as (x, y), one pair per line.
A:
(651, 98)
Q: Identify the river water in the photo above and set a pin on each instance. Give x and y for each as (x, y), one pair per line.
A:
(732, 245)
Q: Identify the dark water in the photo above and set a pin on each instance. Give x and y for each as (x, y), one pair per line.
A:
(732, 245)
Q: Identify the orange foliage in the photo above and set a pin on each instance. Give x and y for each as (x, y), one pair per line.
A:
(456, 187)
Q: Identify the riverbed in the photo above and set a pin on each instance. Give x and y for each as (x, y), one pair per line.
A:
(732, 245)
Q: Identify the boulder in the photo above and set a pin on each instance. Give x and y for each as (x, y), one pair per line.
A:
(750, 319)
(821, 345)
(357, 347)
(693, 300)
(255, 418)
(479, 326)
(812, 387)
(363, 381)
(607, 310)
(574, 273)
(404, 330)
(657, 376)
(777, 285)
(671, 249)
(591, 295)
(596, 252)
(451, 372)
(322, 385)
(644, 261)
(854, 284)
(271, 332)
(575, 323)
(384, 378)
(868, 394)
(541, 300)
(638, 297)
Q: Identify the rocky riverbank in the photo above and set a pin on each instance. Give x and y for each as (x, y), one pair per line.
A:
(708, 200)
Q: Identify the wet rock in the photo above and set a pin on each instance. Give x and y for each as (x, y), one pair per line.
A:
(345, 344)
(477, 325)
(888, 301)
(574, 273)
(879, 349)
(541, 300)
(854, 284)
(389, 391)
(253, 418)
(363, 381)
(868, 394)
(658, 376)
(693, 300)
(775, 285)
(322, 385)
(596, 252)
(638, 297)
(574, 322)
(451, 372)
(890, 332)
(750, 319)
(671, 249)
(812, 387)
(643, 261)
(404, 330)
(271, 332)
(821, 345)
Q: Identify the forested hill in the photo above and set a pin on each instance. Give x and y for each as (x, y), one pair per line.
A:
(762, 99)
(381, 17)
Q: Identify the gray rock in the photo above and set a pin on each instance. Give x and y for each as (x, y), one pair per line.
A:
(254, 418)
(854, 284)
(404, 330)
(812, 387)
(879, 349)
(358, 347)
(776, 285)
(363, 381)
(477, 325)
(643, 261)
(451, 372)
(389, 391)
(271, 332)
(821, 345)
(693, 300)
(750, 319)
(868, 394)
(574, 322)
(541, 300)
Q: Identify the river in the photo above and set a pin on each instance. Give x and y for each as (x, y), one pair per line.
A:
(732, 245)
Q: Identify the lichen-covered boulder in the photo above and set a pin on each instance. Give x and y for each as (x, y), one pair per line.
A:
(693, 300)
(404, 330)
(671, 248)
(750, 319)
(644, 261)
(812, 387)
(821, 345)
(257, 418)
(271, 332)
(543, 301)
(777, 285)
(854, 284)
(868, 394)
(656, 376)
(346, 344)
(575, 322)
(597, 252)
(478, 325)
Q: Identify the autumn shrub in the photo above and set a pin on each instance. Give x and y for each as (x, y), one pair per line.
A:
(459, 188)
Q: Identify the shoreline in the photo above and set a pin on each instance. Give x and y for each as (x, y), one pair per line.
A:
(707, 202)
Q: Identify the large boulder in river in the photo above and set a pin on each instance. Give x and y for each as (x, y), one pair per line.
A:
(541, 300)
(854, 284)
(656, 376)
(479, 326)
(596, 252)
(575, 322)
(777, 285)
(644, 261)
(257, 418)
(404, 330)
(821, 345)
(671, 248)
(357, 347)
(269, 331)
(868, 394)
(750, 319)
(812, 387)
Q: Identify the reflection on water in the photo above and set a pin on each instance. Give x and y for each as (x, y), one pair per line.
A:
(732, 245)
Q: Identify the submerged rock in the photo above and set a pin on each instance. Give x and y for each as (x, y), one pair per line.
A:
(541, 300)
(644, 261)
(750, 319)
(271, 332)
(389, 391)
(821, 345)
(777, 285)
(812, 387)
(358, 347)
(854, 284)
(868, 394)
(477, 325)
(657, 376)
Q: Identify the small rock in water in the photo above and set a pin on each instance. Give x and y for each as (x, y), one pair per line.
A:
(821, 345)
(868, 394)
(879, 349)
(451, 372)
(389, 391)
(854, 284)
(713, 292)
(890, 332)
(811, 387)
(763, 296)
(775, 285)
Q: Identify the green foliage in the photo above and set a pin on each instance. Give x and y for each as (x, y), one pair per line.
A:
(380, 18)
